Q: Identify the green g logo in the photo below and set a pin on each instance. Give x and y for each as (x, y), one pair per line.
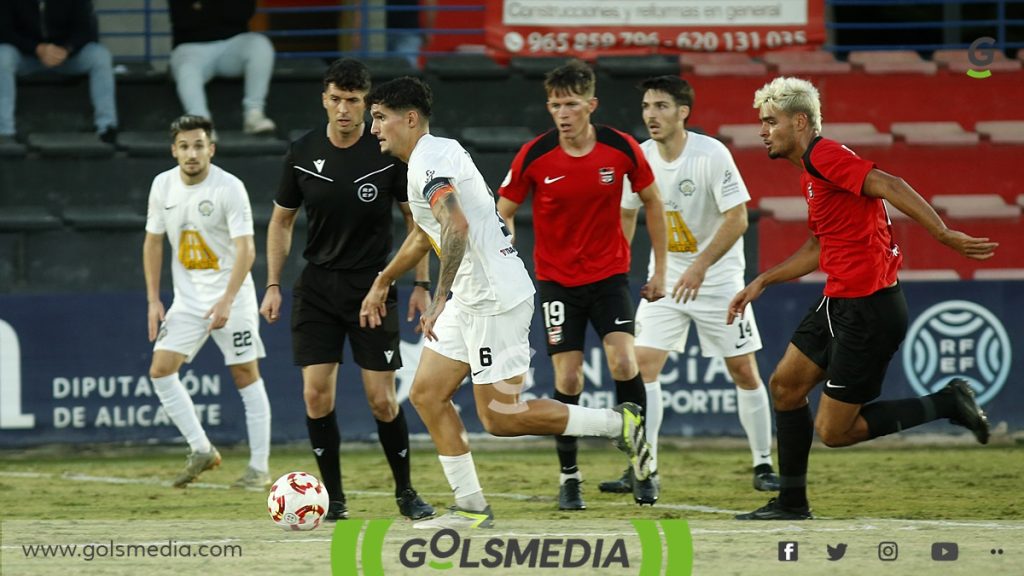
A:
(981, 54)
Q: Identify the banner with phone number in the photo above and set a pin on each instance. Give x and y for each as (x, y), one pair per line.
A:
(591, 28)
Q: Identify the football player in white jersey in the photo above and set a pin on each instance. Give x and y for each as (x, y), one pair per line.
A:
(205, 214)
(483, 331)
(705, 205)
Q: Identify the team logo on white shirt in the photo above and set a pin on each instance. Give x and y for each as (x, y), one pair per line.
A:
(319, 164)
(687, 187)
(367, 192)
(206, 207)
(607, 175)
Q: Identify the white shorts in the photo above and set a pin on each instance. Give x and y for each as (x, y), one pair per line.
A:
(184, 332)
(665, 324)
(495, 347)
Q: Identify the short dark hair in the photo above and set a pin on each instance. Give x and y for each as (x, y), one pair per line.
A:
(679, 89)
(347, 74)
(573, 77)
(405, 93)
(191, 122)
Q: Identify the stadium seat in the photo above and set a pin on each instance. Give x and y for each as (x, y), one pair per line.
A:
(105, 218)
(232, 143)
(959, 61)
(742, 135)
(856, 134)
(911, 275)
(389, 67)
(1002, 131)
(999, 274)
(465, 67)
(975, 206)
(892, 62)
(299, 68)
(642, 66)
(785, 208)
(11, 149)
(1020, 200)
(496, 138)
(148, 144)
(24, 218)
(534, 68)
(934, 133)
(806, 62)
(721, 64)
(70, 144)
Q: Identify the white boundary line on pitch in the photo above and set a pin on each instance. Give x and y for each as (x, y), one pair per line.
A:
(908, 523)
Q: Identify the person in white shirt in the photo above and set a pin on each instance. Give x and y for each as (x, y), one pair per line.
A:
(483, 331)
(705, 207)
(205, 214)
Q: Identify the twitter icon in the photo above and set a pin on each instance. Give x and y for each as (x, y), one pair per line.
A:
(837, 552)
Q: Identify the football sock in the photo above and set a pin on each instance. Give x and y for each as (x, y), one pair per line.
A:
(325, 439)
(461, 474)
(652, 425)
(394, 438)
(632, 390)
(178, 405)
(889, 416)
(756, 419)
(592, 422)
(796, 431)
(257, 423)
(566, 444)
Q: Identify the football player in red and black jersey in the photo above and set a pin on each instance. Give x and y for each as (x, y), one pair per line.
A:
(848, 336)
(581, 257)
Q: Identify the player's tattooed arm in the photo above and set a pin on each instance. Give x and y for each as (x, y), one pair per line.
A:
(454, 239)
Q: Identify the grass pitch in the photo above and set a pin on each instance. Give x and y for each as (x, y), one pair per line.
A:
(890, 492)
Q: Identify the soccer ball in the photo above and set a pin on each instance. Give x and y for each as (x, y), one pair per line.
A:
(297, 501)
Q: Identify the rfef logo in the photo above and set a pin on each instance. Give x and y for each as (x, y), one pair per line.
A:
(957, 339)
(446, 549)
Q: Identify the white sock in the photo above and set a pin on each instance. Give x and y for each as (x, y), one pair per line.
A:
(461, 474)
(562, 477)
(593, 422)
(652, 424)
(756, 419)
(257, 423)
(178, 405)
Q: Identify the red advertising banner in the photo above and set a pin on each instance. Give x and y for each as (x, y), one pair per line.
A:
(589, 28)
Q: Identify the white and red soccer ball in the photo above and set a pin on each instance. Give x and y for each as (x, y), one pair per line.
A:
(297, 501)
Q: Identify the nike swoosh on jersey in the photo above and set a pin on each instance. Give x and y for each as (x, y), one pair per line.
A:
(478, 372)
(171, 206)
(621, 322)
(549, 180)
(742, 344)
(829, 384)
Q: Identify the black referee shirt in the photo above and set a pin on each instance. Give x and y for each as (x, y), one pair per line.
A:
(348, 194)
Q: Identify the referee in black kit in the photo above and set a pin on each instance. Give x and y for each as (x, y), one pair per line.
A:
(348, 187)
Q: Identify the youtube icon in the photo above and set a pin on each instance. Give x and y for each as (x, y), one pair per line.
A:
(945, 551)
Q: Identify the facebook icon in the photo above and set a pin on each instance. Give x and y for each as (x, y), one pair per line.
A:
(788, 552)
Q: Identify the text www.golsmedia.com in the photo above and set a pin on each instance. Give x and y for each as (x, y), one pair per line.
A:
(172, 549)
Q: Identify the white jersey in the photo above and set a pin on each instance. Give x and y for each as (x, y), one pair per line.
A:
(201, 222)
(696, 188)
(491, 278)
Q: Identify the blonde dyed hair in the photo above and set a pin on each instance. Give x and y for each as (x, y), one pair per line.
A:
(792, 96)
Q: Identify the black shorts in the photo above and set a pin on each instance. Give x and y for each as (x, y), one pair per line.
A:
(325, 308)
(853, 340)
(607, 304)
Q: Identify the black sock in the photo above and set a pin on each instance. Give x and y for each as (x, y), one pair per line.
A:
(566, 445)
(891, 416)
(795, 429)
(632, 390)
(325, 438)
(394, 438)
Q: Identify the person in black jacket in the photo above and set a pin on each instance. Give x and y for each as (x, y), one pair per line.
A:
(213, 39)
(58, 36)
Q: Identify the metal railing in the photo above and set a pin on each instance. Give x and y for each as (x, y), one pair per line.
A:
(362, 9)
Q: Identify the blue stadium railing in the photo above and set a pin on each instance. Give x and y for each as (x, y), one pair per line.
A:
(361, 8)
(999, 27)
